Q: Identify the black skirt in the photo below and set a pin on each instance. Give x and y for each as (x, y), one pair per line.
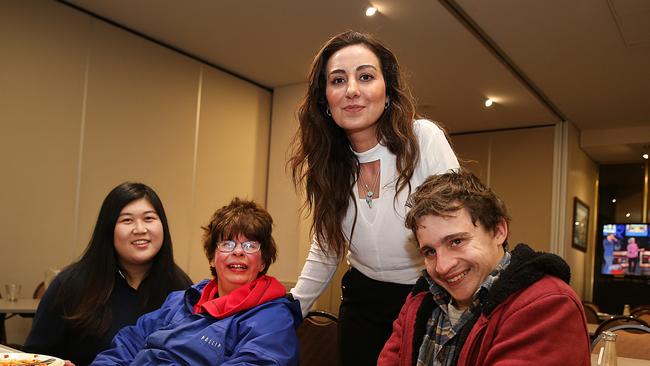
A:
(368, 309)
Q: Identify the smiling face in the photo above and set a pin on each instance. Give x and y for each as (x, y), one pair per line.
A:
(138, 234)
(236, 268)
(356, 92)
(458, 255)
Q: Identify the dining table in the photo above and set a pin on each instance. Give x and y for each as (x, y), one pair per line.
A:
(24, 307)
(622, 361)
(7, 349)
(604, 316)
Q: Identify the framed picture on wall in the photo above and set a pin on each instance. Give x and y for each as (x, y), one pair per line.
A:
(580, 224)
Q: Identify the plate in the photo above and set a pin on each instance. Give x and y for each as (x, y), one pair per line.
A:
(6, 357)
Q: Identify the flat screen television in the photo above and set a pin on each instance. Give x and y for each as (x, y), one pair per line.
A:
(625, 249)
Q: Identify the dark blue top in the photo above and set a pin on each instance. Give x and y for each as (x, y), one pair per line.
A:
(51, 336)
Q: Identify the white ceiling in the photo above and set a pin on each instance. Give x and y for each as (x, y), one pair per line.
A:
(587, 59)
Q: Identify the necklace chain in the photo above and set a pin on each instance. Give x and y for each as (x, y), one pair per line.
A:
(369, 189)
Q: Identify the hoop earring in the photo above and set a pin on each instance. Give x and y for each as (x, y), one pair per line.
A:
(328, 112)
(387, 104)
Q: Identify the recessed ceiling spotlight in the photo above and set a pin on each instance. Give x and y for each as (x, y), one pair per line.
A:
(645, 156)
(613, 200)
(370, 11)
(627, 214)
(489, 102)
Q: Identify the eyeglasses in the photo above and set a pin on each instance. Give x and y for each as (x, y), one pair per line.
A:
(228, 246)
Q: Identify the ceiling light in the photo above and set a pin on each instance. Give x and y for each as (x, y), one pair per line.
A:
(627, 214)
(488, 102)
(613, 200)
(645, 156)
(370, 11)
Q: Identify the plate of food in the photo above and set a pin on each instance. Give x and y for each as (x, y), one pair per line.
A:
(19, 359)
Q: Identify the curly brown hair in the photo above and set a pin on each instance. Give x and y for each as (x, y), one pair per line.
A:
(321, 158)
(444, 194)
(240, 217)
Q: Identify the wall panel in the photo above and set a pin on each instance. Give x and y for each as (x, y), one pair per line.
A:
(473, 151)
(518, 166)
(582, 173)
(85, 106)
(521, 174)
(41, 88)
(232, 153)
(140, 126)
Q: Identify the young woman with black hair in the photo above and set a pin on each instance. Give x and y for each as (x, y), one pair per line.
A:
(127, 270)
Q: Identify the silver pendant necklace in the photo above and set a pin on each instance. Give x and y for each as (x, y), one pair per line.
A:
(369, 189)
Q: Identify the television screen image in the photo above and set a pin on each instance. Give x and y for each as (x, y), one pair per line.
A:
(626, 250)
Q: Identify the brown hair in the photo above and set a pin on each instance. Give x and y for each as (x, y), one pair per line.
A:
(240, 217)
(441, 195)
(321, 157)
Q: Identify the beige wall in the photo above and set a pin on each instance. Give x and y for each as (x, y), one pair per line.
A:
(582, 174)
(292, 230)
(41, 94)
(139, 125)
(85, 106)
(518, 166)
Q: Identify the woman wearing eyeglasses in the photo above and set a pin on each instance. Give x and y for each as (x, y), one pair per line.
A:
(240, 316)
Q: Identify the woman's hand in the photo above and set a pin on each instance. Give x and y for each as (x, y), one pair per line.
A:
(68, 363)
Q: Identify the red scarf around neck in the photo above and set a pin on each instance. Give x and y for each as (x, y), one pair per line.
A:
(261, 290)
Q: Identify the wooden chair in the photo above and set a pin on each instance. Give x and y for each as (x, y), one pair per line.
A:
(318, 339)
(618, 320)
(639, 309)
(595, 307)
(631, 341)
(39, 291)
(643, 314)
(591, 314)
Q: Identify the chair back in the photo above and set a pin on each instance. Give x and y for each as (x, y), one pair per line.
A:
(590, 313)
(643, 315)
(639, 308)
(632, 341)
(618, 320)
(39, 291)
(319, 339)
(591, 305)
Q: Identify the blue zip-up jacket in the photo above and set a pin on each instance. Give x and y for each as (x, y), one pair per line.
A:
(174, 335)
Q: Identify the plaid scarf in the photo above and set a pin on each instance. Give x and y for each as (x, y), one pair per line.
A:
(443, 341)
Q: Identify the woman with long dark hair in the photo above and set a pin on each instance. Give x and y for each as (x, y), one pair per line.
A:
(127, 270)
(359, 151)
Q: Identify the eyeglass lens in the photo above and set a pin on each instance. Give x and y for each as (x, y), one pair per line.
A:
(247, 246)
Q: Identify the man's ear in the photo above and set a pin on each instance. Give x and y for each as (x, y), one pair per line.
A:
(501, 231)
